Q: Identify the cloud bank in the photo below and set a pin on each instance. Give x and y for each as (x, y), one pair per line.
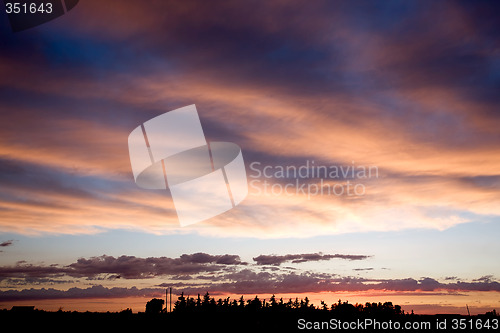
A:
(202, 272)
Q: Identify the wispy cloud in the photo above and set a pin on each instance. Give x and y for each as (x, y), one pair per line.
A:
(6, 243)
(407, 91)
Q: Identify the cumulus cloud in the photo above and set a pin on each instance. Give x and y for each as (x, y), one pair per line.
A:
(24, 270)
(127, 267)
(300, 258)
(222, 274)
(227, 273)
(204, 258)
(183, 267)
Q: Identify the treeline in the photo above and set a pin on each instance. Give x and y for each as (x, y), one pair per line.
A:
(207, 303)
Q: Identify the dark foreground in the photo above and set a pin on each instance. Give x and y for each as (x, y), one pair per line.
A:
(258, 321)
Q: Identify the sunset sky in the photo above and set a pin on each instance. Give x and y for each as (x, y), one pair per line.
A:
(409, 88)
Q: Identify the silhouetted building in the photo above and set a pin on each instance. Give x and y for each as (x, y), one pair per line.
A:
(22, 308)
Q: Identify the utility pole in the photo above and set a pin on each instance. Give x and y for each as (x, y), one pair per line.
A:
(166, 300)
(170, 299)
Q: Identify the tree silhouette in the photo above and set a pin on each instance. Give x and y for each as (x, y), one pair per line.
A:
(208, 304)
(154, 306)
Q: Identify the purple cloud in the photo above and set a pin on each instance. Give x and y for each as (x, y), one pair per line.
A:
(127, 267)
(92, 292)
(299, 258)
(6, 243)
